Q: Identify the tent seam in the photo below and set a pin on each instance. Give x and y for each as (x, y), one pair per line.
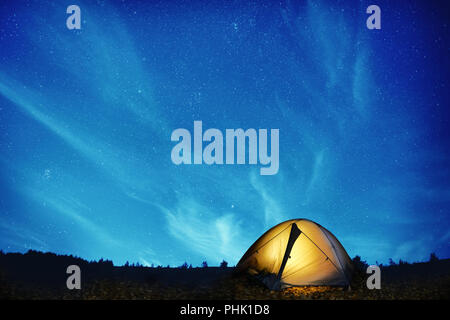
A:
(256, 250)
(337, 256)
(328, 258)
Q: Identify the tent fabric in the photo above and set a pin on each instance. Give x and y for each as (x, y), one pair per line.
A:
(316, 257)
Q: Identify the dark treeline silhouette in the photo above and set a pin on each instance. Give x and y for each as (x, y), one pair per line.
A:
(39, 270)
(38, 274)
(36, 269)
(404, 270)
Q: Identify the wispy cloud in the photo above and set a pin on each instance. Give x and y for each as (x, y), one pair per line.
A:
(110, 159)
(315, 175)
(213, 236)
(446, 237)
(116, 73)
(366, 245)
(18, 237)
(416, 249)
(361, 85)
(78, 214)
(273, 213)
(148, 257)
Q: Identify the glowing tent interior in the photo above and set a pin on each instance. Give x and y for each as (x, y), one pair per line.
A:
(296, 253)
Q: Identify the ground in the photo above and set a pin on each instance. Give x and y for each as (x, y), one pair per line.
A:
(420, 281)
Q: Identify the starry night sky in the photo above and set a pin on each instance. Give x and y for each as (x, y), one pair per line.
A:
(86, 118)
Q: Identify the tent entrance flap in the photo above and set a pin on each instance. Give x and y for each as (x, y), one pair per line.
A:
(295, 233)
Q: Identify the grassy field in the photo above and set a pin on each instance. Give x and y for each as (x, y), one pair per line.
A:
(46, 279)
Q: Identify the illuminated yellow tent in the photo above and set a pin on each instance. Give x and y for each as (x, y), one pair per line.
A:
(296, 253)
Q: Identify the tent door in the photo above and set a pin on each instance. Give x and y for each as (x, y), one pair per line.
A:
(295, 233)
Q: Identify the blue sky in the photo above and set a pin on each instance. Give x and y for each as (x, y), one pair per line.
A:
(86, 118)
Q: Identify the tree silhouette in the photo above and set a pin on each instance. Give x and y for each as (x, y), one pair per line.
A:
(359, 264)
(433, 257)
